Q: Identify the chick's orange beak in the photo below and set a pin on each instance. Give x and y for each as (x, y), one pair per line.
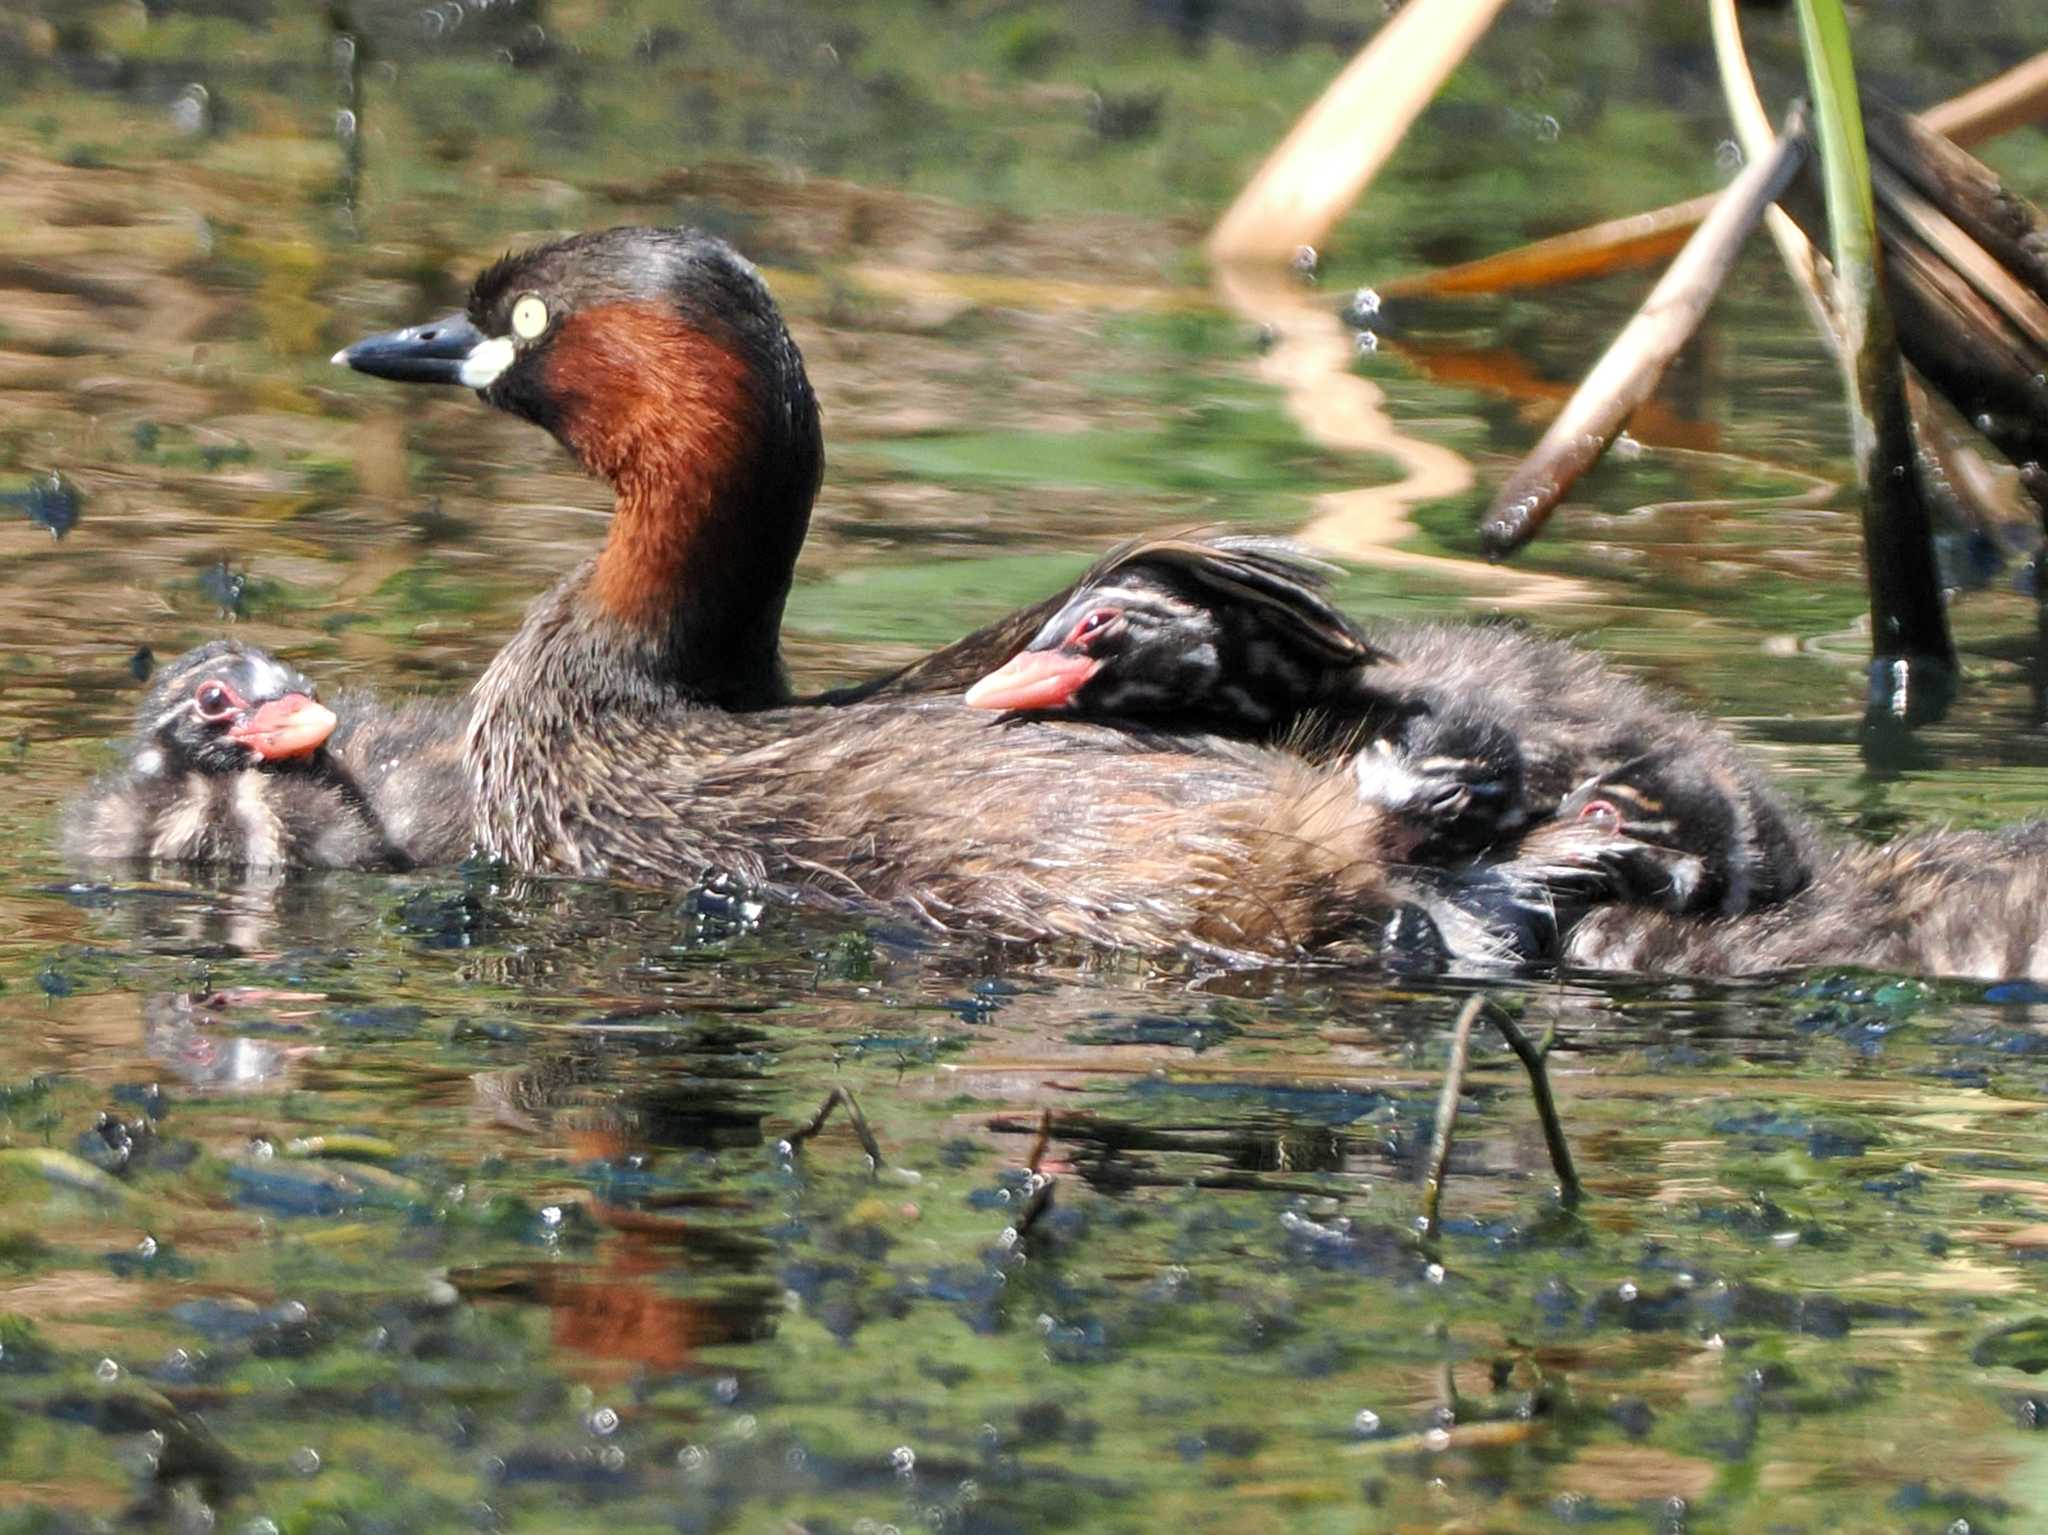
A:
(291, 726)
(1034, 680)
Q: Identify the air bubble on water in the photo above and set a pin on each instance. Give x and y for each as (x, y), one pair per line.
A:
(305, 1460)
(1627, 1289)
(551, 1216)
(903, 1460)
(1436, 1439)
(1626, 448)
(603, 1421)
(1728, 157)
(727, 1390)
(1365, 303)
(1306, 260)
(612, 1458)
(693, 1458)
(344, 125)
(107, 1371)
(1547, 129)
(1365, 341)
(146, 1248)
(1366, 1421)
(1434, 1273)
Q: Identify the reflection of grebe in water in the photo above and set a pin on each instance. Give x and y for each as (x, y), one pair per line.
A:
(191, 1034)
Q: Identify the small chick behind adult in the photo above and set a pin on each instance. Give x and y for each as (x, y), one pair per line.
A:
(233, 760)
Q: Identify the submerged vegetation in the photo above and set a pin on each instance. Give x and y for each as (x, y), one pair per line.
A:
(457, 1201)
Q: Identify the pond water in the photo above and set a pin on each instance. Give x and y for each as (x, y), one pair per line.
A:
(448, 1201)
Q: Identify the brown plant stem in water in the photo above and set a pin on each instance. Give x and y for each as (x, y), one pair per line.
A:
(1636, 360)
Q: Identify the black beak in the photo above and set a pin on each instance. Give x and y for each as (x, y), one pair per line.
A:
(432, 353)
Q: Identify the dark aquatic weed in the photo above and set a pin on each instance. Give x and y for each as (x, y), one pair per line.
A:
(51, 502)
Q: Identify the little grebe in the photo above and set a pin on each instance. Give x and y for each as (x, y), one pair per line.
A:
(1958, 903)
(234, 761)
(605, 737)
(1472, 733)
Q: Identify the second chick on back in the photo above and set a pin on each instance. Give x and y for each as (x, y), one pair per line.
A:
(1472, 734)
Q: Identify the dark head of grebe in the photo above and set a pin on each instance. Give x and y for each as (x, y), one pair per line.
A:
(658, 359)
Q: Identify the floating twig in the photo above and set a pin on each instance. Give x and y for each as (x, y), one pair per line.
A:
(1447, 1115)
(1039, 1186)
(1634, 363)
(1535, 1060)
(838, 1097)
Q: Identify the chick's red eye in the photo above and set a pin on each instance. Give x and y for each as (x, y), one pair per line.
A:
(1094, 623)
(216, 700)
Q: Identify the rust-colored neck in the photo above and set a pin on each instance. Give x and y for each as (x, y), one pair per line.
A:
(708, 521)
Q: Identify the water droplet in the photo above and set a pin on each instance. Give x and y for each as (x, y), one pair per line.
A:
(1627, 448)
(903, 1460)
(1436, 1439)
(1365, 341)
(1627, 1290)
(305, 1460)
(551, 1216)
(727, 1390)
(612, 1458)
(1547, 129)
(1365, 303)
(107, 1371)
(1434, 1273)
(603, 1421)
(693, 1458)
(1728, 157)
(146, 1248)
(1366, 1421)
(1306, 260)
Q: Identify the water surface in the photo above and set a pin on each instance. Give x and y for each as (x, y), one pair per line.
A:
(448, 1201)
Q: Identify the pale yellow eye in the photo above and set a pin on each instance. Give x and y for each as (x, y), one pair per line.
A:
(529, 317)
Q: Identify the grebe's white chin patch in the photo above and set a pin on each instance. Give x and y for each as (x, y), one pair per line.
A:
(486, 360)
